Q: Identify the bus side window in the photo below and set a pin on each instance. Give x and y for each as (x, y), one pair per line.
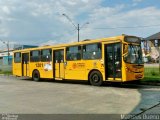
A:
(92, 51)
(46, 55)
(73, 53)
(35, 56)
(17, 57)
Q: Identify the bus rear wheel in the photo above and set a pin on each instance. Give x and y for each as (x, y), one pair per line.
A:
(95, 78)
(36, 75)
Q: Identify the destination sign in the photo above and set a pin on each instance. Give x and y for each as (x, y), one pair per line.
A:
(132, 40)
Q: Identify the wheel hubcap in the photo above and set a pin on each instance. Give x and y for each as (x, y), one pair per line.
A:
(95, 78)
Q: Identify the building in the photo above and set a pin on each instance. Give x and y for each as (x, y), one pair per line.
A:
(6, 60)
(19, 47)
(152, 46)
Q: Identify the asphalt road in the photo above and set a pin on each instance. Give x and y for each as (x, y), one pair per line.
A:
(19, 95)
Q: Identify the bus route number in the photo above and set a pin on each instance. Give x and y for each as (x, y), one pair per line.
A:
(39, 64)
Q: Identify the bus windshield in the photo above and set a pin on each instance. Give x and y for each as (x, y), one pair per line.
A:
(134, 55)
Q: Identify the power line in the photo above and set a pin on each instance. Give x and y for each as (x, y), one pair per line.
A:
(121, 27)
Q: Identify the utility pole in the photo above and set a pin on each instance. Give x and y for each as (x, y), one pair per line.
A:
(78, 32)
(158, 48)
(8, 50)
(78, 28)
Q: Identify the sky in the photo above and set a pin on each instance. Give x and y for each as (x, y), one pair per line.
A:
(40, 22)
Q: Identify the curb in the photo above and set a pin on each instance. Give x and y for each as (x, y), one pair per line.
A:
(150, 83)
(141, 83)
(5, 75)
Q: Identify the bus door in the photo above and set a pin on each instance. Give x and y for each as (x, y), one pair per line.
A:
(113, 61)
(58, 60)
(25, 64)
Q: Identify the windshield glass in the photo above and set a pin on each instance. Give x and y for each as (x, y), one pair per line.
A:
(134, 54)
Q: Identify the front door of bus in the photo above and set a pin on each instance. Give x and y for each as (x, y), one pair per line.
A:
(25, 64)
(58, 63)
(113, 61)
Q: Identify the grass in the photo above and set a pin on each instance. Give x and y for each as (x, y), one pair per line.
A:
(6, 72)
(151, 74)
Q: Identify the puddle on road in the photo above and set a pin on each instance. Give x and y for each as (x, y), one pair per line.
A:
(150, 96)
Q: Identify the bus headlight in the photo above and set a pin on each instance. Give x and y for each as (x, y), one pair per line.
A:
(138, 76)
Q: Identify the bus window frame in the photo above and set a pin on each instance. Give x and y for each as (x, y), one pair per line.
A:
(100, 43)
(74, 53)
(18, 57)
(39, 56)
(50, 51)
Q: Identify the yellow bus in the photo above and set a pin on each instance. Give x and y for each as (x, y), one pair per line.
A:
(117, 59)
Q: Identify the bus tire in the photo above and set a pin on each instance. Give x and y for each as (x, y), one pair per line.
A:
(95, 78)
(36, 75)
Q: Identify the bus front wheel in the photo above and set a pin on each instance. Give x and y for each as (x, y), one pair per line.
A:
(95, 78)
(36, 75)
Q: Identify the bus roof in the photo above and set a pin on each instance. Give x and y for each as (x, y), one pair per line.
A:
(74, 43)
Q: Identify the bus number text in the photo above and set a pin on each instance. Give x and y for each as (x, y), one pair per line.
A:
(39, 64)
